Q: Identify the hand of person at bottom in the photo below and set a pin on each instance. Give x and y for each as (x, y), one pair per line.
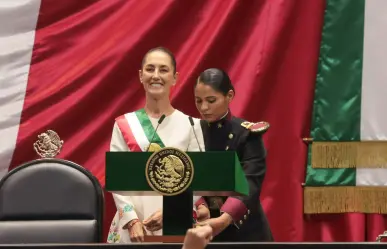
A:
(154, 222)
(198, 237)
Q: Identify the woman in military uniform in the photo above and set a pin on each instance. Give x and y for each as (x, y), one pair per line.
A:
(233, 218)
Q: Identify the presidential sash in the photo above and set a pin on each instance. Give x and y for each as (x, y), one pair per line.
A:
(137, 130)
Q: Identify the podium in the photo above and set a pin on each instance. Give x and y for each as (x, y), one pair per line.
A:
(214, 174)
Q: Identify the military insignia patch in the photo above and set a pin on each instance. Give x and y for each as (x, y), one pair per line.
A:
(169, 171)
(256, 127)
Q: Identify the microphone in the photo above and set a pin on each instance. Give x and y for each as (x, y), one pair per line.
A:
(161, 119)
(193, 129)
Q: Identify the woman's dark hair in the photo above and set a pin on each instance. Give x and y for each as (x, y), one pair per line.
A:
(217, 79)
(165, 50)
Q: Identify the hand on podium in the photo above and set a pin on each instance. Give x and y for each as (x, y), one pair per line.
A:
(154, 222)
(198, 237)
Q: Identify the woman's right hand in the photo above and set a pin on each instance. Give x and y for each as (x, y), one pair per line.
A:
(136, 231)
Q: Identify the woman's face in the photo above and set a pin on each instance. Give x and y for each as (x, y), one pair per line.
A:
(211, 104)
(157, 74)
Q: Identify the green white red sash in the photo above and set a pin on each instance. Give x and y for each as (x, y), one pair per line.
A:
(137, 130)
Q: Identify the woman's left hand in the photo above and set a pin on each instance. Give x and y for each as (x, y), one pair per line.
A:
(218, 224)
(154, 222)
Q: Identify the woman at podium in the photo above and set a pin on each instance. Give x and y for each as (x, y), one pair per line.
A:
(239, 218)
(149, 129)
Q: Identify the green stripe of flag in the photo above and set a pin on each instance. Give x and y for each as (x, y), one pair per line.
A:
(337, 101)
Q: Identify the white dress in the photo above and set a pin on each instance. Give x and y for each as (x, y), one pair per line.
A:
(174, 131)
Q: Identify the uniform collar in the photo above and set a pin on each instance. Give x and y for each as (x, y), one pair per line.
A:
(220, 122)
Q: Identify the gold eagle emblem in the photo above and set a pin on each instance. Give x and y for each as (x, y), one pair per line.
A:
(48, 144)
(153, 147)
(169, 171)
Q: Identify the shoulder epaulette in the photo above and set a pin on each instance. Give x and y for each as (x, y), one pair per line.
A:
(258, 127)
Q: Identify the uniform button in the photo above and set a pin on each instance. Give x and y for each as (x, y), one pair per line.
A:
(219, 125)
(230, 136)
(248, 211)
(227, 147)
(241, 222)
(245, 217)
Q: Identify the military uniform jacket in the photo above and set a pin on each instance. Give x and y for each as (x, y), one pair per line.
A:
(232, 133)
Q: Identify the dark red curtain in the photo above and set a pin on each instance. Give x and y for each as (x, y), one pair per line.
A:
(84, 73)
